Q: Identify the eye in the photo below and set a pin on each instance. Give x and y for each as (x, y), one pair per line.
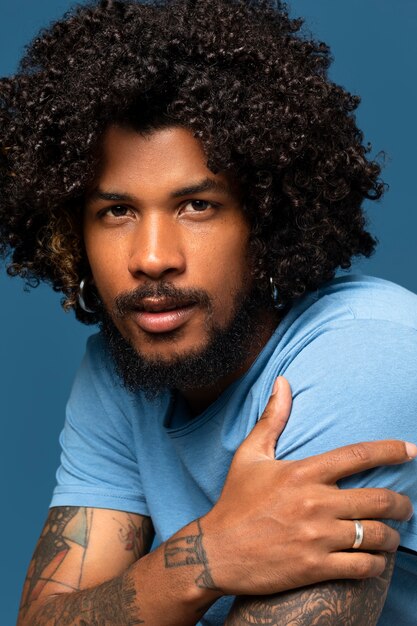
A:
(117, 210)
(199, 205)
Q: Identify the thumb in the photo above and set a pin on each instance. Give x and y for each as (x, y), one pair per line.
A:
(270, 425)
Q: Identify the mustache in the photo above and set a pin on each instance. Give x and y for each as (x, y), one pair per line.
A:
(127, 302)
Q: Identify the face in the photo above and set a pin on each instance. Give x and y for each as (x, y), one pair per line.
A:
(167, 242)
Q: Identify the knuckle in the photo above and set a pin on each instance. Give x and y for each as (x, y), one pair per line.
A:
(312, 533)
(385, 500)
(298, 472)
(382, 534)
(309, 507)
(310, 562)
(360, 452)
(363, 566)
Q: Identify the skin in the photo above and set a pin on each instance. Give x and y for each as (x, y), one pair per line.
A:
(93, 567)
(344, 603)
(73, 582)
(160, 234)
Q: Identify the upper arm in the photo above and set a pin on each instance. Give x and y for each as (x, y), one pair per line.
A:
(354, 382)
(99, 465)
(347, 602)
(81, 547)
(95, 540)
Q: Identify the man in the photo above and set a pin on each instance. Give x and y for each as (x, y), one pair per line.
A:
(190, 179)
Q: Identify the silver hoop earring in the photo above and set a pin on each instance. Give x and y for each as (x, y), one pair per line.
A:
(275, 295)
(81, 300)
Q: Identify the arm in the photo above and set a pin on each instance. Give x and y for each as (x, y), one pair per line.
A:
(349, 394)
(347, 602)
(72, 554)
(90, 567)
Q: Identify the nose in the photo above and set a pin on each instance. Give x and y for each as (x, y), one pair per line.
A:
(156, 250)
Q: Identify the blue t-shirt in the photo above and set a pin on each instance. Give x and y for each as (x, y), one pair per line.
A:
(349, 352)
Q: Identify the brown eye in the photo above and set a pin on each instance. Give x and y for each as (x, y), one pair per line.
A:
(200, 205)
(117, 210)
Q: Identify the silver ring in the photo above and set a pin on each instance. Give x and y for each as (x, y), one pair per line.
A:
(358, 534)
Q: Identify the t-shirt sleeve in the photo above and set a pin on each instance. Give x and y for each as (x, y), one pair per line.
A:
(98, 464)
(356, 381)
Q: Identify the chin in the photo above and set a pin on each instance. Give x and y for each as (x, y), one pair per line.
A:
(193, 355)
(168, 349)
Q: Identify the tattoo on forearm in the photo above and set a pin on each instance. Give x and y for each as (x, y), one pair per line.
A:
(61, 588)
(344, 603)
(136, 539)
(111, 604)
(189, 550)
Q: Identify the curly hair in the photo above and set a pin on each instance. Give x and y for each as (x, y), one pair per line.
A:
(242, 76)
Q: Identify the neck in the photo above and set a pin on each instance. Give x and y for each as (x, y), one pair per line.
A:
(200, 398)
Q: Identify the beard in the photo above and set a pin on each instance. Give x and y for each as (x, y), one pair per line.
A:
(225, 350)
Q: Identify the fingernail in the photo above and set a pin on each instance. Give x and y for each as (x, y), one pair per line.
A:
(275, 390)
(411, 449)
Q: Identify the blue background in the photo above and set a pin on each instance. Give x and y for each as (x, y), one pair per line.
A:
(375, 49)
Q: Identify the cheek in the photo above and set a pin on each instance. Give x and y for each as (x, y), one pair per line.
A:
(107, 265)
(235, 253)
(225, 264)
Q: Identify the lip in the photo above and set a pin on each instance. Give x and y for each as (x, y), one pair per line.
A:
(163, 321)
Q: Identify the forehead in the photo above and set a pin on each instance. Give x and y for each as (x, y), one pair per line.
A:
(166, 157)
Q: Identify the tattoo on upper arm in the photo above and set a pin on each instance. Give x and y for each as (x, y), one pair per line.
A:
(339, 603)
(111, 604)
(189, 550)
(137, 539)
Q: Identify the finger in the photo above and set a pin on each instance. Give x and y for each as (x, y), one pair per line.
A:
(377, 536)
(341, 462)
(264, 435)
(357, 565)
(371, 503)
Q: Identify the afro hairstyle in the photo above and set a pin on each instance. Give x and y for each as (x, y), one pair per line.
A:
(242, 76)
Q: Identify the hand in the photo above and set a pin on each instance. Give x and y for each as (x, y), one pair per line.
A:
(285, 524)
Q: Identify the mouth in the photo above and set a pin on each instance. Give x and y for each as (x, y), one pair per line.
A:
(162, 315)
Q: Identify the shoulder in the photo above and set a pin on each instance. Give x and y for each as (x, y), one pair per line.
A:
(96, 381)
(346, 310)
(367, 297)
(358, 297)
(349, 354)
(357, 336)
(98, 394)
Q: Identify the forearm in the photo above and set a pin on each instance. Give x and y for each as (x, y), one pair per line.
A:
(246, 551)
(171, 585)
(348, 602)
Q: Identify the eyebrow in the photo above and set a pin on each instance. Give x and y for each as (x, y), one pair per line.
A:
(207, 184)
